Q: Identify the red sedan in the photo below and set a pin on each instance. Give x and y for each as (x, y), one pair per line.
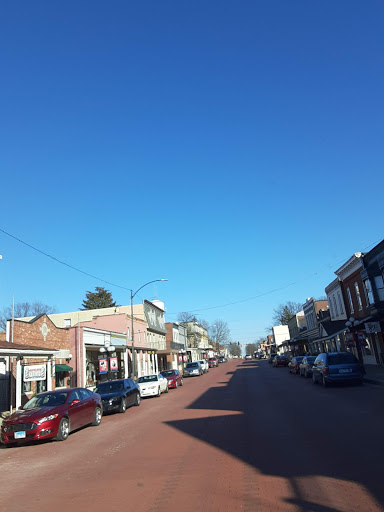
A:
(173, 377)
(53, 414)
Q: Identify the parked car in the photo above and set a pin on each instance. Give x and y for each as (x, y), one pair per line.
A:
(334, 367)
(271, 358)
(117, 395)
(173, 377)
(223, 359)
(294, 364)
(248, 356)
(212, 362)
(280, 361)
(152, 385)
(193, 369)
(204, 365)
(53, 414)
(306, 366)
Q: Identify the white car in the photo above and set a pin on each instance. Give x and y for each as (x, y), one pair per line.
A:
(204, 365)
(152, 385)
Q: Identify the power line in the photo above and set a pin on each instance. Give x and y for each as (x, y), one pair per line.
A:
(63, 262)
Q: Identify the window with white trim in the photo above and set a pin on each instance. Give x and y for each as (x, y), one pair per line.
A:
(340, 303)
(335, 306)
(350, 300)
(360, 304)
(368, 292)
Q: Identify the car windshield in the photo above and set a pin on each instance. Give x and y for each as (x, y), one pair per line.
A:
(192, 365)
(148, 378)
(310, 359)
(341, 359)
(168, 373)
(109, 387)
(298, 359)
(46, 400)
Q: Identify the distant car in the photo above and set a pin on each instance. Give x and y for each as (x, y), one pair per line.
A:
(53, 414)
(248, 356)
(117, 395)
(294, 364)
(152, 385)
(306, 366)
(173, 377)
(223, 359)
(260, 355)
(271, 358)
(212, 362)
(204, 365)
(335, 367)
(280, 361)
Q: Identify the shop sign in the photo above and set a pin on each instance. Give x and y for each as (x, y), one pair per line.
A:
(113, 364)
(180, 359)
(372, 327)
(35, 372)
(185, 359)
(103, 366)
(361, 338)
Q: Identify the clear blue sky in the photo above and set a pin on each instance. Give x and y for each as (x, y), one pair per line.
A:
(232, 147)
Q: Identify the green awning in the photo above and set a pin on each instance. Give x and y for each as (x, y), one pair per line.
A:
(63, 368)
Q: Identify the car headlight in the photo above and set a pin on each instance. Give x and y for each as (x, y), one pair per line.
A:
(152, 387)
(47, 418)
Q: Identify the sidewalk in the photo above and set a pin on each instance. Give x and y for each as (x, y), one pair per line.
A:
(374, 374)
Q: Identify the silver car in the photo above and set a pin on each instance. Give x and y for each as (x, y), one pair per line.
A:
(193, 369)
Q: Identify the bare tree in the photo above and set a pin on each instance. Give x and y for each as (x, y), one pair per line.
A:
(185, 317)
(284, 312)
(23, 309)
(220, 333)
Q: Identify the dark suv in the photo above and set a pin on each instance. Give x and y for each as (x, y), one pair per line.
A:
(337, 367)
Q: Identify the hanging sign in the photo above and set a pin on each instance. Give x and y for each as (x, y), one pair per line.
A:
(103, 366)
(180, 359)
(372, 327)
(35, 372)
(349, 339)
(361, 338)
(113, 364)
(185, 358)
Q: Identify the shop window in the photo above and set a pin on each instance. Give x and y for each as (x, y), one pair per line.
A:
(41, 386)
(27, 387)
(60, 379)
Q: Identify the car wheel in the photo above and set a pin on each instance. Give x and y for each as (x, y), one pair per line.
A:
(176, 384)
(324, 382)
(181, 382)
(63, 432)
(314, 379)
(158, 392)
(123, 406)
(166, 389)
(138, 399)
(96, 422)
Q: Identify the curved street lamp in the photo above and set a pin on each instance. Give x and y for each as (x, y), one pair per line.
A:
(132, 338)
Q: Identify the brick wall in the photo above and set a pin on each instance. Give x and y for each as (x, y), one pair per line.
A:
(41, 333)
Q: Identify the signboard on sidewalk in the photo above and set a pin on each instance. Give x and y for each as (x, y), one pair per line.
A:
(35, 372)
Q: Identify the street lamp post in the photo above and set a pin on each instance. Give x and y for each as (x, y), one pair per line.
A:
(132, 337)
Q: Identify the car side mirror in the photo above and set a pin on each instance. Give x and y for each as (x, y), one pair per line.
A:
(76, 401)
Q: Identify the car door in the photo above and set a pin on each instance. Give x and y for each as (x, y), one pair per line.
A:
(76, 410)
(130, 392)
(89, 405)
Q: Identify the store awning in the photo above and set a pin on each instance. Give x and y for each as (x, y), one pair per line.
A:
(63, 368)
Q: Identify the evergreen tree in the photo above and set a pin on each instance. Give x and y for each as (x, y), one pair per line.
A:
(99, 299)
